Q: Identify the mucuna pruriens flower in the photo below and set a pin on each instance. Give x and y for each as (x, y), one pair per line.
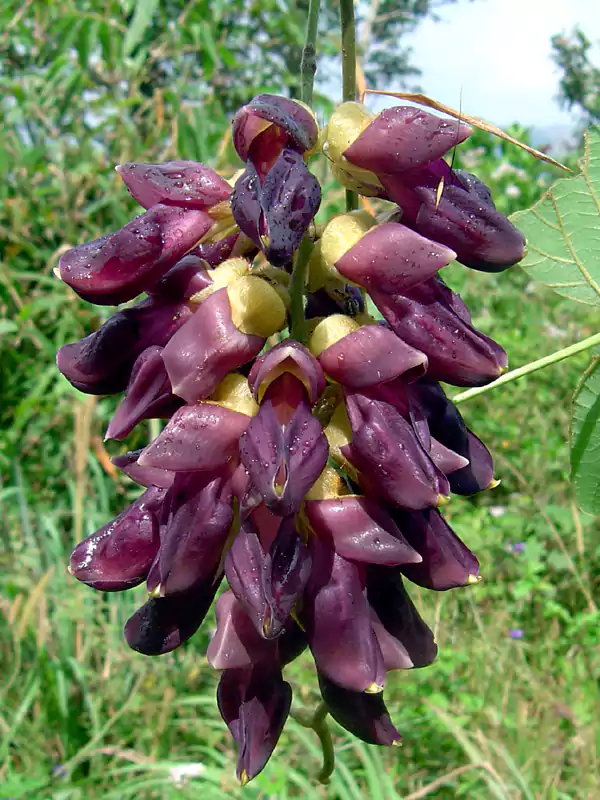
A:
(457, 352)
(117, 267)
(459, 218)
(119, 555)
(309, 474)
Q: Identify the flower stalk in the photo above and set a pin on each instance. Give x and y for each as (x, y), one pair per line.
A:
(308, 64)
(527, 369)
(348, 27)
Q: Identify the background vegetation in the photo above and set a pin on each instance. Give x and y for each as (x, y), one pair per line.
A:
(510, 710)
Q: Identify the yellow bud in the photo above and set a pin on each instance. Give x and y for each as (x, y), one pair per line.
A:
(493, 483)
(342, 233)
(374, 688)
(221, 276)
(256, 308)
(318, 271)
(345, 125)
(233, 392)
(155, 592)
(329, 331)
(339, 434)
(328, 486)
(473, 579)
(442, 500)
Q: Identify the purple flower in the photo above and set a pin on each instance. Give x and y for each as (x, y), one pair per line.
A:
(429, 319)
(117, 267)
(310, 477)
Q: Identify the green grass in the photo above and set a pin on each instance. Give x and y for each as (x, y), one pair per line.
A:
(494, 717)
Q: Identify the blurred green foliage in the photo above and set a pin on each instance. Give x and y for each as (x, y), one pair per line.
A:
(580, 76)
(96, 83)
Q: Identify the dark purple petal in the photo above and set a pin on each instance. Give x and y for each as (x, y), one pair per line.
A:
(290, 198)
(245, 205)
(391, 258)
(145, 476)
(371, 355)
(101, 363)
(295, 121)
(195, 521)
(447, 425)
(404, 137)
(398, 615)
(459, 218)
(389, 456)
(338, 624)
(148, 395)
(254, 702)
(164, 623)
(117, 267)
(395, 655)
(236, 642)
(214, 253)
(425, 318)
(283, 461)
(202, 437)
(447, 562)
(207, 348)
(290, 570)
(362, 714)
(248, 573)
(186, 184)
(445, 459)
(188, 277)
(293, 357)
(479, 474)
(276, 214)
(359, 530)
(119, 555)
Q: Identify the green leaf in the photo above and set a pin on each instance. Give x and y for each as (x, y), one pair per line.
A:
(142, 17)
(585, 439)
(561, 229)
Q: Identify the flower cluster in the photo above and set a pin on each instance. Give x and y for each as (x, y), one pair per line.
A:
(310, 474)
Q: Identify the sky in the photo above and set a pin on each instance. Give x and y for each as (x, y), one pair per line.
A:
(493, 57)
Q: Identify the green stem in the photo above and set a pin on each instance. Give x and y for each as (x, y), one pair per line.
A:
(308, 64)
(533, 366)
(297, 327)
(348, 27)
(317, 722)
(322, 730)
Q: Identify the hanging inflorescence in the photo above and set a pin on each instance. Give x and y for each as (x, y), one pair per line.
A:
(309, 473)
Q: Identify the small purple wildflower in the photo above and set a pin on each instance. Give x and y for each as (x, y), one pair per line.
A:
(515, 633)
(518, 547)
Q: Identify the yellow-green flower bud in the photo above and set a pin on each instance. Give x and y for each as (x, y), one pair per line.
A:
(221, 276)
(233, 392)
(341, 234)
(256, 307)
(329, 331)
